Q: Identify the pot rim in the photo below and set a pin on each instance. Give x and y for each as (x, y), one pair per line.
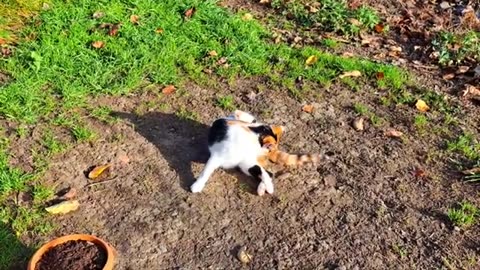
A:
(85, 237)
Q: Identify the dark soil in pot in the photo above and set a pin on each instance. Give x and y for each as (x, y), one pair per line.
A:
(78, 255)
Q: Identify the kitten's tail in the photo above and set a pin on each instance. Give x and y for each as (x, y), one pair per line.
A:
(286, 159)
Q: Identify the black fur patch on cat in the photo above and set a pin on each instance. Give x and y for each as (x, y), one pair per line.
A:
(256, 172)
(218, 131)
(263, 131)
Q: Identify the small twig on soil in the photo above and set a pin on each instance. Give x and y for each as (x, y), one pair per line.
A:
(98, 183)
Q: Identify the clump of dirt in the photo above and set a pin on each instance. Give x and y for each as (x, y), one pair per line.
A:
(75, 254)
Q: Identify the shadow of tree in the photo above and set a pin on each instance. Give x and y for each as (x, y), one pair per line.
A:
(180, 140)
(13, 254)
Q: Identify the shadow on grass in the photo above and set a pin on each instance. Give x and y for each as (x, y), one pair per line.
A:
(181, 141)
(13, 254)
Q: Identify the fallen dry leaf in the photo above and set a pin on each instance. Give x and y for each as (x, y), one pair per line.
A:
(422, 106)
(63, 207)
(419, 173)
(243, 256)
(222, 61)
(247, 17)
(463, 69)
(393, 133)
(312, 59)
(379, 28)
(98, 15)
(159, 30)
(347, 54)
(189, 13)
(98, 44)
(448, 76)
(312, 9)
(358, 124)
(169, 89)
(134, 19)
(471, 91)
(114, 30)
(380, 75)
(264, 1)
(213, 53)
(353, 73)
(98, 171)
(308, 108)
(70, 194)
(355, 22)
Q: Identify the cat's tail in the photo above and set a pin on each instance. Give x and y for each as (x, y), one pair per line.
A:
(286, 159)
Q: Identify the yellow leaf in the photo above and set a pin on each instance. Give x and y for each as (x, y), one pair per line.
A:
(312, 59)
(247, 17)
(422, 106)
(353, 73)
(97, 171)
(307, 108)
(63, 207)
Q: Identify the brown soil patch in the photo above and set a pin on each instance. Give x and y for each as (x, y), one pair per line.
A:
(73, 255)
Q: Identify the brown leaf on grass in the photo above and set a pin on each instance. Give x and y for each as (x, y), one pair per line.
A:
(347, 54)
(114, 30)
(380, 75)
(169, 89)
(308, 108)
(189, 13)
(353, 73)
(101, 172)
(448, 76)
(312, 59)
(63, 207)
(379, 28)
(3, 41)
(134, 19)
(247, 17)
(71, 193)
(98, 15)
(393, 133)
(222, 61)
(422, 106)
(98, 44)
(475, 170)
(355, 22)
(213, 53)
(159, 30)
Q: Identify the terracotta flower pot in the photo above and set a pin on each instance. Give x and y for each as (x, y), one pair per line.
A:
(111, 253)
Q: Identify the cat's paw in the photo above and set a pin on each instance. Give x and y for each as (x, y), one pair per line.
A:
(197, 187)
(269, 187)
(261, 189)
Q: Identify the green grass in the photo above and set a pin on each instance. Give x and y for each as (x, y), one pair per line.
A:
(363, 110)
(454, 49)
(467, 146)
(59, 68)
(330, 15)
(226, 103)
(420, 121)
(83, 134)
(11, 249)
(463, 216)
(52, 144)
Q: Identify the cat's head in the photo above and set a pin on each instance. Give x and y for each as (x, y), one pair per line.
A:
(270, 140)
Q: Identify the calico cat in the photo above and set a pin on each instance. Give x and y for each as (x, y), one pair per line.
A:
(238, 141)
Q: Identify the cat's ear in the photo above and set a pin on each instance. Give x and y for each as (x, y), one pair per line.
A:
(278, 131)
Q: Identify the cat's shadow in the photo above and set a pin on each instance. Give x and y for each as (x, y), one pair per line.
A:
(181, 141)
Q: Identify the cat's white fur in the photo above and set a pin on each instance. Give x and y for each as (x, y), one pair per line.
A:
(240, 149)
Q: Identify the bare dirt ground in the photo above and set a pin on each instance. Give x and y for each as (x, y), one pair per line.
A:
(364, 210)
